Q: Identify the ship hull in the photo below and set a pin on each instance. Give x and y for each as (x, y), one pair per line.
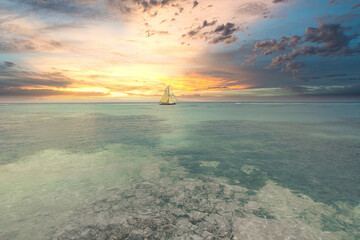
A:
(167, 103)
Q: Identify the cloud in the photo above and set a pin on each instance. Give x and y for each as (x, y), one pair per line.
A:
(273, 45)
(89, 9)
(190, 23)
(13, 77)
(25, 45)
(332, 2)
(295, 89)
(61, 26)
(343, 91)
(279, 1)
(84, 46)
(221, 33)
(150, 33)
(9, 64)
(253, 8)
(17, 35)
(9, 19)
(224, 33)
(196, 30)
(250, 61)
(339, 77)
(144, 5)
(326, 40)
(294, 67)
(355, 6)
(350, 91)
(210, 81)
(30, 79)
(17, 81)
(119, 6)
(333, 36)
(19, 92)
(348, 18)
(16, 45)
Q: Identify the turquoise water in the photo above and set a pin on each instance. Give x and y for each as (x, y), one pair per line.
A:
(190, 171)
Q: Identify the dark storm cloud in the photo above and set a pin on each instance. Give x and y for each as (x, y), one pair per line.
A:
(326, 40)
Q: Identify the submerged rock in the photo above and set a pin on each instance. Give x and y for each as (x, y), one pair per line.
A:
(187, 209)
(196, 216)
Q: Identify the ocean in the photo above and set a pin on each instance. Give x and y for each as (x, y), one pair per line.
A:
(189, 171)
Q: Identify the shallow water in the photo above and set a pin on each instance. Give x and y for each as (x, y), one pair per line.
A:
(190, 171)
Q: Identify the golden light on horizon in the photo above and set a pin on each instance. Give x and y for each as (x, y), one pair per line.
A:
(197, 82)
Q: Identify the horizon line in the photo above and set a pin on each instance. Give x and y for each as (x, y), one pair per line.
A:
(158, 102)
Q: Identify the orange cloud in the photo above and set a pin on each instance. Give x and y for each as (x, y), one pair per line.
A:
(198, 82)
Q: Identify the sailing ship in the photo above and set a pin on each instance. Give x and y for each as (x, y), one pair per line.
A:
(168, 97)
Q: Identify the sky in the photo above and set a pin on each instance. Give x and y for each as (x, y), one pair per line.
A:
(206, 50)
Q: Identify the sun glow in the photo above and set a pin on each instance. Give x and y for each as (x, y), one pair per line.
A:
(196, 82)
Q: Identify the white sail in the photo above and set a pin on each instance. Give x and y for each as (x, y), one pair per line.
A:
(174, 98)
(168, 97)
(171, 100)
(165, 97)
